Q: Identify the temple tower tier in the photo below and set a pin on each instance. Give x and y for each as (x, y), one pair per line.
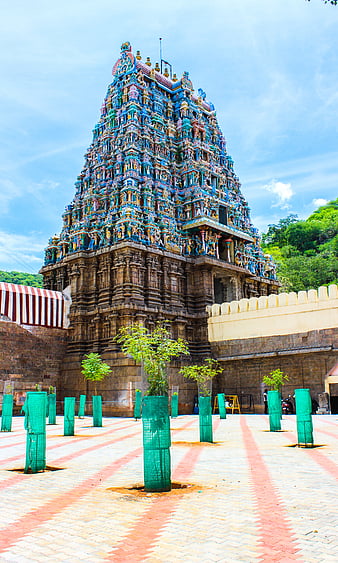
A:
(158, 227)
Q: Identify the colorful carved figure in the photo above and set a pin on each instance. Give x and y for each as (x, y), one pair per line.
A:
(158, 157)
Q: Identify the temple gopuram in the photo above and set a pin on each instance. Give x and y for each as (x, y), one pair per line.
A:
(158, 228)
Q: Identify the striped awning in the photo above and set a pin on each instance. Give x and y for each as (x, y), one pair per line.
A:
(27, 305)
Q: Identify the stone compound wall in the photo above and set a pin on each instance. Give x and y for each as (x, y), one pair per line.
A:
(272, 315)
(295, 332)
(29, 356)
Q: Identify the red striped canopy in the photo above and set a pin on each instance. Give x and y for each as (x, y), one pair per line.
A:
(27, 305)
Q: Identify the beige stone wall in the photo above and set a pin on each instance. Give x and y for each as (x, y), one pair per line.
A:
(305, 357)
(295, 332)
(274, 315)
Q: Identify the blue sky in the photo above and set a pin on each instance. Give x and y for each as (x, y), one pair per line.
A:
(268, 66)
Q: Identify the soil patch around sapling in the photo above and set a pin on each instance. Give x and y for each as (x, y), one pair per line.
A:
(30, 472)
(138, 491)
(305, 446)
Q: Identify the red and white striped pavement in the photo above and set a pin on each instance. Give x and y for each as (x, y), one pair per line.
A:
(255, 499)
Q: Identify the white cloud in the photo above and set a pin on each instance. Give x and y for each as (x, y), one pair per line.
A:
(319, 202)
(319, 163)
(8, 191)
(20, 189)
(269, 68)
(14, 164)
(283, 192)
(21, 253)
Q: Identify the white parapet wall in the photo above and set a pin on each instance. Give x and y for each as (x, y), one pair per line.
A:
(273, 315)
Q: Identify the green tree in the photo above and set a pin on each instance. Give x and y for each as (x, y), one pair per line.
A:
(305, 251)
(153, 350)
(326, 218)
(331, 245)
(21, 278)
(94, 369)
(275, 379)
(303, 272)
(276, 233)
(202, 374)
(303, 235)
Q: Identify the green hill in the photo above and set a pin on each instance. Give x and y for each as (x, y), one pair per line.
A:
(21, 278)
(306, 252)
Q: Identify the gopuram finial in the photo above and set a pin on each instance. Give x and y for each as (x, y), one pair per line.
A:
(125, 47)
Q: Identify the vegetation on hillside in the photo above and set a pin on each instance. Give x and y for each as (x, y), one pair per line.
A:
(21, 278)
(306, 252)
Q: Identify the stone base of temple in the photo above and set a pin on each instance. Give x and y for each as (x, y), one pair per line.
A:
(131, 283)
(118, 389)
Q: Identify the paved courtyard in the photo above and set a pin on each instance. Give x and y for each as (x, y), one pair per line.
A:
(251, 497)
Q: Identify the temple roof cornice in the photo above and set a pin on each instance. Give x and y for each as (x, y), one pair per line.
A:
(200, 222)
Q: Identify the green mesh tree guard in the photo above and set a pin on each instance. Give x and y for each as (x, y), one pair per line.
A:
(51, 408)
(35, 424)
(156, 444)
(7, 412)
(274, 406)
(221, 405)
(205, 419)
(82, 406)
(97, 410)
(174, 405)
(304, 417)
(69, 416)
(137, 405)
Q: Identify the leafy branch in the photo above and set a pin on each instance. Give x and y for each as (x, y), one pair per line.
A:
(202, 374)
(153, 350)
(275, 379)
(94, 369)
